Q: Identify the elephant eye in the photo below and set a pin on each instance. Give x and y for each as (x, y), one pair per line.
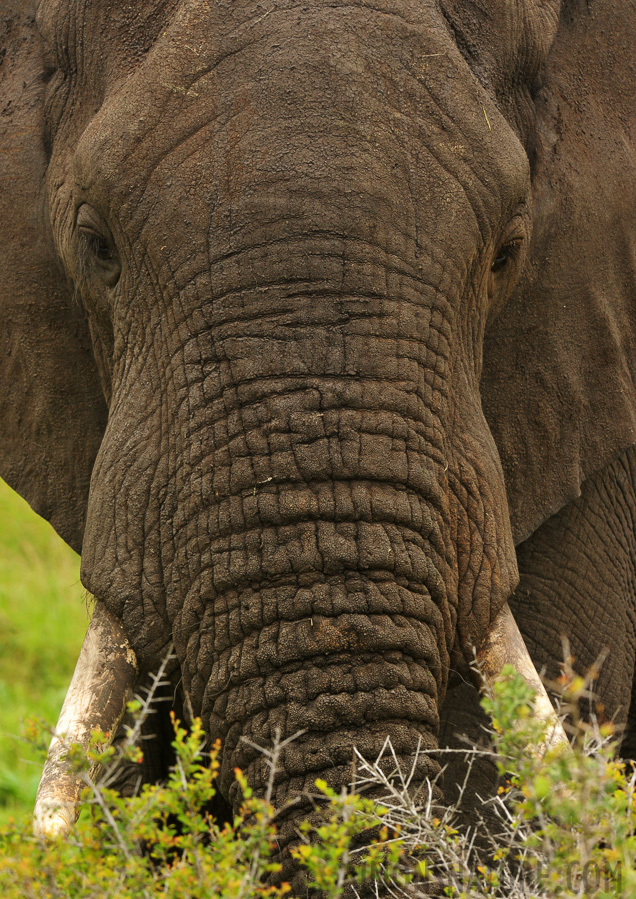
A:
(501, 259)
(506, 253)
(97, 247)
(499, 262)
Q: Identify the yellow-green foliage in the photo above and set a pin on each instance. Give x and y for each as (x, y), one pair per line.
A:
(162, 843)
(566, 828)
(566, 818)
(574, 825)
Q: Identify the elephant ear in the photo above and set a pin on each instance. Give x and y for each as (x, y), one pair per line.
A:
(52, 409)
(559, 381)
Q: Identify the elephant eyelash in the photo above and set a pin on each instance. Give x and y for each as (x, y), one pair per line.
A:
(97, 245)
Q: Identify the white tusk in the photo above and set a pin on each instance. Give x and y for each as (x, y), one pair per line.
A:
(101, 686)
(504, 645)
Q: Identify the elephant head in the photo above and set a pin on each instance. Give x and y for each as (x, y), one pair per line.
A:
(283, 286)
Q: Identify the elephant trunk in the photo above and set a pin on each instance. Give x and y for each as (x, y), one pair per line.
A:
(307, 550)
(292, 516)
(334, 626)
(343, 654)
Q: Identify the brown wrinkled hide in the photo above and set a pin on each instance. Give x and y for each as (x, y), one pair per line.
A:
(306, 494)
(306, 209)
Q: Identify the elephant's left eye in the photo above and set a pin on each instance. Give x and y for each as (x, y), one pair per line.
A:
(504, 255)
(506, 262)
(97, 247)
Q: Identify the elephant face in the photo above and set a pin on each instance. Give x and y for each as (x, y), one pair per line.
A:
(288, 257)
(288, 230)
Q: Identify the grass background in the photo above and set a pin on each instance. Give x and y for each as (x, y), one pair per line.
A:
(43, 619)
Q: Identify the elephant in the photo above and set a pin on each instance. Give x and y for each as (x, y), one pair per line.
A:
(318, 341)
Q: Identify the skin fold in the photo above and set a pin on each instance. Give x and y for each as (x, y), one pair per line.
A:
(311, 314)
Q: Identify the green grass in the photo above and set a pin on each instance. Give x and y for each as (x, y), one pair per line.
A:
(42, 623)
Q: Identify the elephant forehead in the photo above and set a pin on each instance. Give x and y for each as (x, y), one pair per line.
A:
(306, 106)
(117, 28)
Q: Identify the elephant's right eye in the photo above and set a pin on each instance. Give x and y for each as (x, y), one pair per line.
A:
(505, 254)
(97, 247)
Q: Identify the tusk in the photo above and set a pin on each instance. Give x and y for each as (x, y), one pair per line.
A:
(101, 686)
(504, 645)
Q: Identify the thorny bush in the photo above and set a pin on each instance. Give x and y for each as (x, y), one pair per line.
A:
(564, 824)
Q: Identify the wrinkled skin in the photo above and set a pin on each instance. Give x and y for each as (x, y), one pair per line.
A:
(330, 304)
